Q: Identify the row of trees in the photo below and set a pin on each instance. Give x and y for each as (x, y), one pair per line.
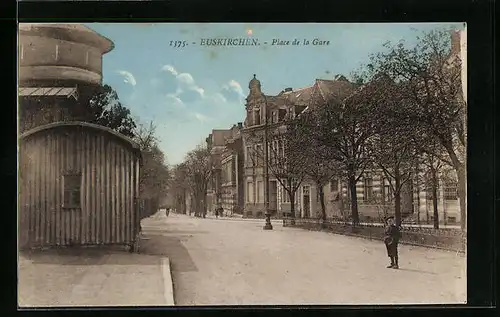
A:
(405, 115)
(190, 181)
(106, 109)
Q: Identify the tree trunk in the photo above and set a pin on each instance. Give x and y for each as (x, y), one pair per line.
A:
(322, 202)
(462, 196)
(291, 195)
(354, 198)
(435, 199)
(397, 197)
(435, 206)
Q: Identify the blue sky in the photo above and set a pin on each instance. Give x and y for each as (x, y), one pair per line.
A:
(189, 91)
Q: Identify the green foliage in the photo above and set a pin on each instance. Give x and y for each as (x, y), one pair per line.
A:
(107, 110)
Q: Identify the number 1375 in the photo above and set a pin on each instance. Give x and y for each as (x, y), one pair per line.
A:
(178, 43)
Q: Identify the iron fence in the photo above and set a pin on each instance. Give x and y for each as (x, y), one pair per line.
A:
(447, 238)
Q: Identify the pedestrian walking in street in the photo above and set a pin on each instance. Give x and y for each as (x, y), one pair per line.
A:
(391, 240)
(167, 212)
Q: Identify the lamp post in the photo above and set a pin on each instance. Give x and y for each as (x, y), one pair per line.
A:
(268, 225)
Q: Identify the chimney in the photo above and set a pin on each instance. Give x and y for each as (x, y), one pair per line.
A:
(240, 125)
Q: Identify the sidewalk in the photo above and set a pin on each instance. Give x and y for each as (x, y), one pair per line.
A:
(93, 277)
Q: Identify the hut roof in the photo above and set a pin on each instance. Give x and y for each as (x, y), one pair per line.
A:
(97, 127)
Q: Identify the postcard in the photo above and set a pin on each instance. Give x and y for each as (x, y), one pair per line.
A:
(187, 164)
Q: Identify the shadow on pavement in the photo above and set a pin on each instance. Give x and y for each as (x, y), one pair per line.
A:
(90, 257)
(417, 271)
(171, 247)
(156, 231)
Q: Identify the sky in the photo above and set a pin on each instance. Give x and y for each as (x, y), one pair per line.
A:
(188, 91)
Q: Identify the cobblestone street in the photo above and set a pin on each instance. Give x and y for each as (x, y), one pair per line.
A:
(235, 262)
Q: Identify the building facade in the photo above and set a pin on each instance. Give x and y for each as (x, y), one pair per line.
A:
(374, 193)
(216, 144)
(232, 164)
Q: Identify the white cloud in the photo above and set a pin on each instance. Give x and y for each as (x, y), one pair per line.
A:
(235, 86)
(174, 100)
(219, 98)
(200, 117)
(184, 80)
(170, 69)
(129, 78)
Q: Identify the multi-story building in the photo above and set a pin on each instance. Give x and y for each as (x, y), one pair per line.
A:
(373, 191)
(232, 164)
(216, 143)
(270, 112)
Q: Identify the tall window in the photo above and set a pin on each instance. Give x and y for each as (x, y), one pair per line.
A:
(259, 154)
(256, 117)
(249, 192)
(450, 191)
(368, 190)
(248, 157)
(260, 192)
(387, 193)
(72, 190)
(285, 196)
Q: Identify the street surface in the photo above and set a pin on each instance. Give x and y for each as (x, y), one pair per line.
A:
(235, 262)
(92, 277)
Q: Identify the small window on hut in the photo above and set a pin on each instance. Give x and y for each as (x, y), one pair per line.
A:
(72, 186)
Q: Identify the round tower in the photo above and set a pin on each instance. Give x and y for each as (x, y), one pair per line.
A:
(60, 67)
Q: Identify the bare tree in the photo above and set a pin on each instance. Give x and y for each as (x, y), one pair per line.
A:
(393, 148)
(154, 175)
(344, 130)
(199, 171)
(431, 75)
(316, 168)
(286, 161)
(179, 187)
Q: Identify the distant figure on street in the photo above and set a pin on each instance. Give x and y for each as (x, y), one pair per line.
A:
(391, 240)
(167, 212)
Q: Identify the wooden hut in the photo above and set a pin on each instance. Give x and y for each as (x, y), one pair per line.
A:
(78, 185)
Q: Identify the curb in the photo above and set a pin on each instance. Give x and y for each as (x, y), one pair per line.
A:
(168, 289)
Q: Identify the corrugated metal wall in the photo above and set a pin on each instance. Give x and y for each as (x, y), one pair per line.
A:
(108, 188)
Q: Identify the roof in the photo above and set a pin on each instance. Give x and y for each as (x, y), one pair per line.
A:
(300, 96)
(97, 127)
(336, 89)
(72, 32)
(49, 91)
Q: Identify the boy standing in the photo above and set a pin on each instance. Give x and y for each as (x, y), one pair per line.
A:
(391, 240)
